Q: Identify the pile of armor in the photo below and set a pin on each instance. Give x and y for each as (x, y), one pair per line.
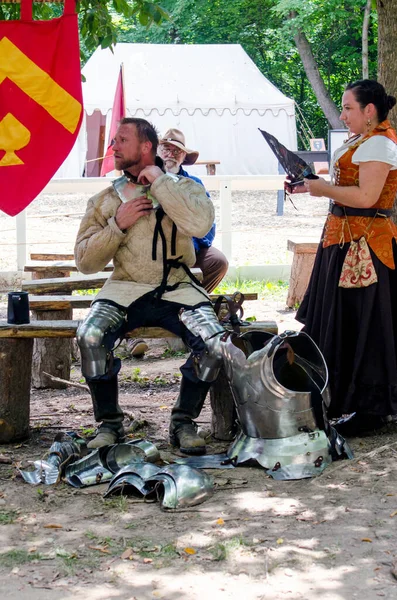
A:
(128, 468)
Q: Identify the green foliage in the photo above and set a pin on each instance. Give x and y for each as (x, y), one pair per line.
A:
(170, 353)
(17, 557)
(98, 19)
(265, 29)
(264, 289)
(7, 517)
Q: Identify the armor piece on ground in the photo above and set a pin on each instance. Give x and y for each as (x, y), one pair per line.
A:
(103, 463)
(49, 471)
(89, 470)
(135, 451)
(295, 457)
(131, 480)
(203, 322)
(95, 339)
(210, 461)
(280, 389)
(179, 486)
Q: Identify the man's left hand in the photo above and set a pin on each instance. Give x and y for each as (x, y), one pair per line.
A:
(149, 174)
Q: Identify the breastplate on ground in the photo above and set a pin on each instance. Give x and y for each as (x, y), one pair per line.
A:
(280, 389)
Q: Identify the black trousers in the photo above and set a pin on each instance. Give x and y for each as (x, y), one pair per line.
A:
(151, 312)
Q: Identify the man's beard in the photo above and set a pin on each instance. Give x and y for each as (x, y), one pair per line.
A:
(171, 165)
(122, 164)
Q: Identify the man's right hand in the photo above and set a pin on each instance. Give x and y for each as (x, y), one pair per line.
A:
(129, 212)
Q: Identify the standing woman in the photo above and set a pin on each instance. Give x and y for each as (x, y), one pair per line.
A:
(350, 307)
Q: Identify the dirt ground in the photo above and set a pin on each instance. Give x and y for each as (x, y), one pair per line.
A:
(334, 536)
(256, 538)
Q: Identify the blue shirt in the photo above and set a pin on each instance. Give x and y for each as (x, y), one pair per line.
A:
(206, 241)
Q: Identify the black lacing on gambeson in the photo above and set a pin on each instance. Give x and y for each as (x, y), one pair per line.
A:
(168, 263)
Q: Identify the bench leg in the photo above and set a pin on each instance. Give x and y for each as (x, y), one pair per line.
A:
(224, 416)
(51, 355)
(15, 379)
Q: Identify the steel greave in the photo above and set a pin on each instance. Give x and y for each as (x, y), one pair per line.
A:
(103, 318)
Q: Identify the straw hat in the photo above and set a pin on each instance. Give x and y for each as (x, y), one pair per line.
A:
(176, 138)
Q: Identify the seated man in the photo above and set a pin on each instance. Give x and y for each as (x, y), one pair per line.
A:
(213, 263)
(210, 260)
(144, 222)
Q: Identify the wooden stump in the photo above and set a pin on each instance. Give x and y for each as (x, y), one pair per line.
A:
(224, 416)
(15, 378)
(52, 355)
(301, 270)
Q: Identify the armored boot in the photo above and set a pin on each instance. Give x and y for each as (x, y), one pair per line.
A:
(183, 430)
(104, 395)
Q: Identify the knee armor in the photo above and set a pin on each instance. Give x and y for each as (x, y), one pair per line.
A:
(95, 339)
(204, 323)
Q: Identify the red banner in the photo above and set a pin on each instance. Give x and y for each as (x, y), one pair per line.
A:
(40, 102)
(118, 113)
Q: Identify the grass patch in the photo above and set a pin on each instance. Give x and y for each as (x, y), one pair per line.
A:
(7, 517)
(12, 558)
(274, 290)
(170, 353)
(223, 550)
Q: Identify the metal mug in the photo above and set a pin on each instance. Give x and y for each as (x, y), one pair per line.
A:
(18, 308)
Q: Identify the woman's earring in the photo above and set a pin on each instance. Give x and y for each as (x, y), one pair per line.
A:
(369, 124)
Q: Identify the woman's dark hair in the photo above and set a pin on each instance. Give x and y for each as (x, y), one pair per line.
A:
(367, 91)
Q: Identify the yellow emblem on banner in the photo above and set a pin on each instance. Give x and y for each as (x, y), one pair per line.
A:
(38, 85)
(13, 136)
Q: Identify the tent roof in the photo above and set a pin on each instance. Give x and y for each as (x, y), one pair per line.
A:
(158, 77)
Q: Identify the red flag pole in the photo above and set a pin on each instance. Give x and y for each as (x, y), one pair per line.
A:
(118, 112)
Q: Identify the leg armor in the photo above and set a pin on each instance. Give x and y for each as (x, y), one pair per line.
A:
(204, 323)
(96, 336)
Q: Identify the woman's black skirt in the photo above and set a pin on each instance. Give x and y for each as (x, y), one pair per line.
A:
(356, 330)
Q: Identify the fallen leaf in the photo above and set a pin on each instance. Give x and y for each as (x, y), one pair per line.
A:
(102, 549)
(393, 514)
(163, 407)
(53, 526)
(190, 550)
(220, 521)
(366, 540)
(128, 552)
(280, 541)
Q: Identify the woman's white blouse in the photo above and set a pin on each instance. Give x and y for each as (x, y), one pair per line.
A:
(378, 148)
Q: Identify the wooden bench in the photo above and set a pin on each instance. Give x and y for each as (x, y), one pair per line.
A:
(16, 355)
(54, 355)
(210, 165)
(54, 268)
(301, 270)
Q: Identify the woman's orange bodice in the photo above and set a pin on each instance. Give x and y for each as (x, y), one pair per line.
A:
(380, 231)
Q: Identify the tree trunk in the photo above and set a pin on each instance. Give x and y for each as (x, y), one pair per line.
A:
(367, 15)
(313, 74)
(387, 49)
(15, 377)
(387, 56)
(52, 355)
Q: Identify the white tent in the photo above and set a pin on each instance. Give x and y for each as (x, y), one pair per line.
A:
(214, 93)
